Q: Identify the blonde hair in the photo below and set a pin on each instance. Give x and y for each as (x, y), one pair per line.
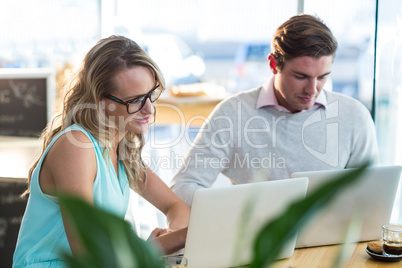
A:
(82, 103)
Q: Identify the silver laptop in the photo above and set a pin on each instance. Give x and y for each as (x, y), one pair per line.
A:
(224, 221)
(368, 203)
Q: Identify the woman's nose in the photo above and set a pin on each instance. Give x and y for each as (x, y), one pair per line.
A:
(148, 107)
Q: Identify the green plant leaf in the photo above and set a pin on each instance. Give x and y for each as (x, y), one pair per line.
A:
(107, 239)
(275, 234)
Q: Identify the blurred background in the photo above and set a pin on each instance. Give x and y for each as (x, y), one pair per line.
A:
(221, 44)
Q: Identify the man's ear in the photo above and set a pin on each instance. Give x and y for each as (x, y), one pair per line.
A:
(272, 63)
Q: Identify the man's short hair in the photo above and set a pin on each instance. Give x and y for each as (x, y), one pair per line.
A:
(302, 35)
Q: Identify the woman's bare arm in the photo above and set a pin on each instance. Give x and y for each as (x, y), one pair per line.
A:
(157, 193)
(70, 168)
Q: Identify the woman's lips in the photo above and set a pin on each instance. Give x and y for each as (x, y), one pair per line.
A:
(144, 120)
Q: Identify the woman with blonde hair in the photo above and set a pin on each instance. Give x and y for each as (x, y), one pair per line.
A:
(92, 150)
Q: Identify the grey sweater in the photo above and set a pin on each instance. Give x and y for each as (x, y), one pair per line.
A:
(248, 144)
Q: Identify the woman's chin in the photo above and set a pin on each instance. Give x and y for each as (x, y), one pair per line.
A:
(139, 128)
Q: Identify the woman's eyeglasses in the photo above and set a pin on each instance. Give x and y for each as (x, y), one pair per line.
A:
(138, 103)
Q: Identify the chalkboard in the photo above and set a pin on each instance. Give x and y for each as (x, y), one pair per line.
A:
(26, 98)
(12, 208)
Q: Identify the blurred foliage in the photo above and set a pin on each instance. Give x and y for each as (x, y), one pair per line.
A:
(109, 241)
(275, 234)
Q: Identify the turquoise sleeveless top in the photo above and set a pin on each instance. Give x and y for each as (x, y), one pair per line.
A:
(42, 237)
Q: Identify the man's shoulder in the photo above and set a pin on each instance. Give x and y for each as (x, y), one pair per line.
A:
(344, 99)
(244, 98)
(347, 105)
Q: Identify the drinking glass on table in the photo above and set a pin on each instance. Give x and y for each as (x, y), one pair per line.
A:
(392, 239)
(174, 261)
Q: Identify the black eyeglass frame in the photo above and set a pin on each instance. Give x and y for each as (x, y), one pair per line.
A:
(142, 98)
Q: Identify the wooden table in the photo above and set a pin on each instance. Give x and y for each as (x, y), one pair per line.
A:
(325, 256)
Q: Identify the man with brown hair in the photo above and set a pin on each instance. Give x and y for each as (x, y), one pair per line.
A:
(288, 124)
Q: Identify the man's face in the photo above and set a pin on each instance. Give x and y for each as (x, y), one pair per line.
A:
(300, 81)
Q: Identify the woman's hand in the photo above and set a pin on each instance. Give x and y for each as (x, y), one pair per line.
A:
(169, 241)
(158, 232)
(177, 214)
